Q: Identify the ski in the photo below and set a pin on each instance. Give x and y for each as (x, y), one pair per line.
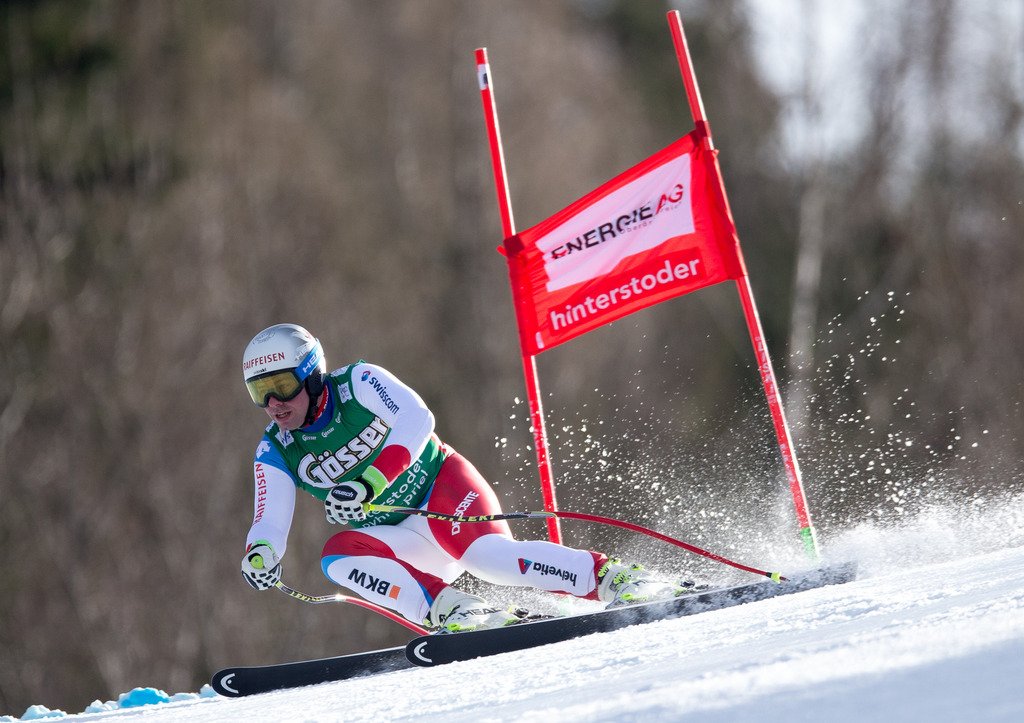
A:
(429, 650)
(235, 682)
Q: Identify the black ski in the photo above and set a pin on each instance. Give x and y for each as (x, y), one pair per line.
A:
(430, 650)
(234, 682)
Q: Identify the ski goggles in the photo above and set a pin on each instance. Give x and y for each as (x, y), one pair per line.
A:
(284, 384)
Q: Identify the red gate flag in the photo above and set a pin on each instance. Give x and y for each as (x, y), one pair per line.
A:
(659, 230)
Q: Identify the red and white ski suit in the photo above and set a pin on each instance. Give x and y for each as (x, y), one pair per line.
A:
(402, 562)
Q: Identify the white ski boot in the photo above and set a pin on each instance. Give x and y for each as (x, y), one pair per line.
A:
(620, 584)
(454, 611)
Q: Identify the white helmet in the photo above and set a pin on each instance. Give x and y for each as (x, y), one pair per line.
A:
(280, 360)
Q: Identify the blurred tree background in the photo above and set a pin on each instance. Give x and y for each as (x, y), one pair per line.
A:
(176, 175)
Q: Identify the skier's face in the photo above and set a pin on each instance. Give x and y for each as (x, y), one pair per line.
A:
(291, 414)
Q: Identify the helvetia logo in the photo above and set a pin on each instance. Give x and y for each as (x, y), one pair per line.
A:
(544, 569)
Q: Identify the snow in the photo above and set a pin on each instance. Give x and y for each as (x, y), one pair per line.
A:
(932, 629)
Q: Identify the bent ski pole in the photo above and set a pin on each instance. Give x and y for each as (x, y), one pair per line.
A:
(338, 597)
(575, 516)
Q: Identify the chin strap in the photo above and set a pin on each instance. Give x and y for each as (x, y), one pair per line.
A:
(315, 407)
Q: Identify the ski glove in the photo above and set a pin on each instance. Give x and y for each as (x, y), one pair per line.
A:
(261, 566)
(344, 503)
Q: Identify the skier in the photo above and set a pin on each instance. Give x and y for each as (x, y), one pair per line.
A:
(357, 436)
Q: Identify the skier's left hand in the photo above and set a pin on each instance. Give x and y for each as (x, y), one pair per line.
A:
(345, 502)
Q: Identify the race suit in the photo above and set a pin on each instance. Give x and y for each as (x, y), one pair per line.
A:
(402, 562)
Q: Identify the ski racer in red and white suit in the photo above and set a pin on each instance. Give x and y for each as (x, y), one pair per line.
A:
(362, 436)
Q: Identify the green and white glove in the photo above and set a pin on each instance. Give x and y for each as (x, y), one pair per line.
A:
(345, 502)
(261, 566)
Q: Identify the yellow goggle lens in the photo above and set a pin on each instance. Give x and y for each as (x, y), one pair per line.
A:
(284, 385)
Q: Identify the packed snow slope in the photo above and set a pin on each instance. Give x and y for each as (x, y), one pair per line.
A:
(933, 630)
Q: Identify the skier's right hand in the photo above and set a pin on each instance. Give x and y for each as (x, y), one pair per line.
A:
(261, 566)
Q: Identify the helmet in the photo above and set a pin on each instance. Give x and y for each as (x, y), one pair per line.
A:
(280, 361)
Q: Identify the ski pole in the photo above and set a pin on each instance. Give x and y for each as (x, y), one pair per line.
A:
(574, 516)
(338, 597)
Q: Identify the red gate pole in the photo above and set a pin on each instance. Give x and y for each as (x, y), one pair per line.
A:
(483, 74)
(764, 363)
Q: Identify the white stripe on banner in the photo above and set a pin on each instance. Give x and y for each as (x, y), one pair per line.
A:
(630, 220)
